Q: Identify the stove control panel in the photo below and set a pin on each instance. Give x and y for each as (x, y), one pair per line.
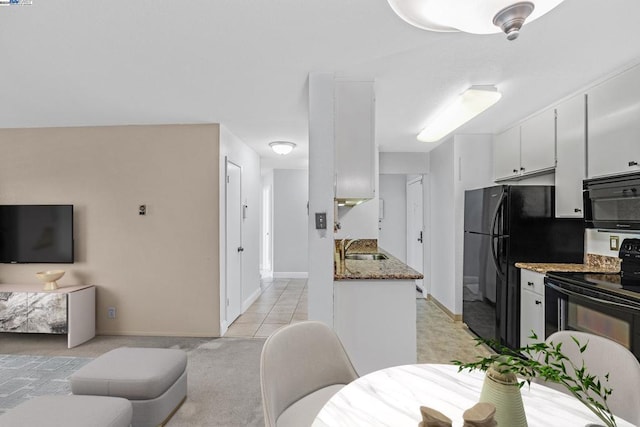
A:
(630, 250)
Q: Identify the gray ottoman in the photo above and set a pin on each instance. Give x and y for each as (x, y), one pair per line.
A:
(154, 380)
(69, 411)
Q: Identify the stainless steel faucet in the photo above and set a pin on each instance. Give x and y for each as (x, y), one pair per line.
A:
(344, 247)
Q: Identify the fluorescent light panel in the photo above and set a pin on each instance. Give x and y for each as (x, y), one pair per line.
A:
(465, 107)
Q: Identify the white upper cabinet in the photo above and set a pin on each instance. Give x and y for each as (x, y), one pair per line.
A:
(354, 112)
(571, 152)
(527, 149)
(614, 125)
(506, 154)
(538, 143)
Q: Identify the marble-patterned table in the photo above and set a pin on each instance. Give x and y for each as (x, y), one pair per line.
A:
(393, 396)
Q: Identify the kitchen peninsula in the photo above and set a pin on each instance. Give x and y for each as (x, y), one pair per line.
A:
(375, 307)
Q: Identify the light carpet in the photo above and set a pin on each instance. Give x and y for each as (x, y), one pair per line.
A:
(223, 378)
(224, 385)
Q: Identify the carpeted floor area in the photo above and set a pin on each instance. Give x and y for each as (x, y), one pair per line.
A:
(223, 375)
(224, 385)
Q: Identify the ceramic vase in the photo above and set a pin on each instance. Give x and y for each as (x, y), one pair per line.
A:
(501, 389)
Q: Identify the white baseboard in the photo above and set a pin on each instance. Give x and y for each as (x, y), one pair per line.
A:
(290, 275)
(251, 299)
(266, 274)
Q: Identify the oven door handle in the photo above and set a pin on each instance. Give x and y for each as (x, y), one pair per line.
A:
(594, 299)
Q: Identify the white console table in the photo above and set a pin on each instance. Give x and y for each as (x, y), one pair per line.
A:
(67, 310)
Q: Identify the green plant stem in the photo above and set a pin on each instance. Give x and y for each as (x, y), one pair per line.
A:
(582, 385)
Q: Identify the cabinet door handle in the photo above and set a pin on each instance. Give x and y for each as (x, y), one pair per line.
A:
(515, 171)
(530, 283)
(538, 302)
(633, 163)
(577, 210)
(522, 168)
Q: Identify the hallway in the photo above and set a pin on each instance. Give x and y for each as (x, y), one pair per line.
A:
(439, 339)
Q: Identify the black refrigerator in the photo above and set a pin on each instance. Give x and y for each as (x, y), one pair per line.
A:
(503, 225)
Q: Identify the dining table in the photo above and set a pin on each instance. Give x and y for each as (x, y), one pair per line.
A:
(393, 397)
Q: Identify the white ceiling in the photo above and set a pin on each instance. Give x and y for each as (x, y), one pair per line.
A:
(245, 63)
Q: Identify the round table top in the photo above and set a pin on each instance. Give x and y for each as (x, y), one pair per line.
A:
(393, 396)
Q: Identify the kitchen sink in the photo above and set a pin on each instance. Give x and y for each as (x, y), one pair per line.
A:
(367, 257)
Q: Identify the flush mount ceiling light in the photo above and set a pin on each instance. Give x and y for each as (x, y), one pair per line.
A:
(282, 147)
(465, 107)
(472, 16)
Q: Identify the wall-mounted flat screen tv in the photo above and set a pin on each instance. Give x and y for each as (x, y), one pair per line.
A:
(36, 233)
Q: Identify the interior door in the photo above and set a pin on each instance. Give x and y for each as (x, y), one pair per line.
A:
(234, 247)
(415, 228)
(266, 232)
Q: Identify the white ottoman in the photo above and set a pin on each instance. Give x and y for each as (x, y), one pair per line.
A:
(69, 411)
(154, 380)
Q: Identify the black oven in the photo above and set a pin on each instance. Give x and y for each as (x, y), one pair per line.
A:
(596, 303)
(612, 202)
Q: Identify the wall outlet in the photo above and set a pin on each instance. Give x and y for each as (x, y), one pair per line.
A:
(111, 312)
(614, 243)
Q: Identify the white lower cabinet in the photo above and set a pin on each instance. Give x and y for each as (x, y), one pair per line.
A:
(376, 322)
(531, 307)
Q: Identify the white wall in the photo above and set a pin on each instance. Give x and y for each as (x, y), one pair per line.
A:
(393, 227)
(161, 270)
(442, 238)
(597, 242)
(461, 163)
(233, 149)
(404, 163)
(290, 222)
(321, 181)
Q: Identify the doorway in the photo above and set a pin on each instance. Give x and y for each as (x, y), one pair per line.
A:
(234, 249)
(266, 269)
(415, 228)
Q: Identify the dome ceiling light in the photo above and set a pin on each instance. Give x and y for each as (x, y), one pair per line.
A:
(472, 16)
(282, 147)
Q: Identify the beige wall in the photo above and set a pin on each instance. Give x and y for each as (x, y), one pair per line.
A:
(161, 271)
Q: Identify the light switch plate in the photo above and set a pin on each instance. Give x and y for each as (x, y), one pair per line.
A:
(321, 221)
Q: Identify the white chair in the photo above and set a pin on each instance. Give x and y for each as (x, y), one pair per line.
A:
(603, 356)
(302, 365)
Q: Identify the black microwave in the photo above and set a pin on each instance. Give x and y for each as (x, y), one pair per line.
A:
(612, 202)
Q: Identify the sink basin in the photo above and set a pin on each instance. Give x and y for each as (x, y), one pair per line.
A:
(368, 257)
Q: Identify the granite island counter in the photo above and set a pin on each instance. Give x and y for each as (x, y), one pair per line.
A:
(375, 311)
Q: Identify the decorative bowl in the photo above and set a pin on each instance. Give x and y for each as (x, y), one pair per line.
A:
(49, 278)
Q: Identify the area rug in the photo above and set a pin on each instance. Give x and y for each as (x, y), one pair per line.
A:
(24, 377)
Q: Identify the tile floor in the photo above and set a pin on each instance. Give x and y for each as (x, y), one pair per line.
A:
(284, 301)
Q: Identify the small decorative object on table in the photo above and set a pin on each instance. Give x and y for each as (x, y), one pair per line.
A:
(49, 278)
(546, 361)
(479, 415)
(433, 418)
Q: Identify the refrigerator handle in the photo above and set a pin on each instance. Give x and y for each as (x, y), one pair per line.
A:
(495, 237)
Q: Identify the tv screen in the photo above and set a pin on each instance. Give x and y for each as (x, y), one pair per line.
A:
(36, 233)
